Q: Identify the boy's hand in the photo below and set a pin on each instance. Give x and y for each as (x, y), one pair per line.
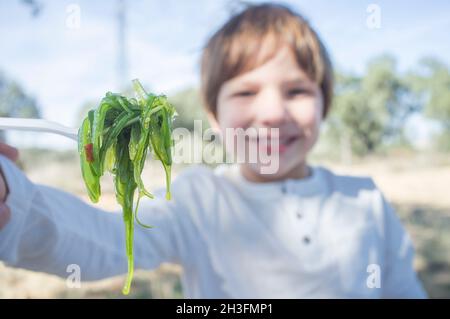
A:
(13, 154)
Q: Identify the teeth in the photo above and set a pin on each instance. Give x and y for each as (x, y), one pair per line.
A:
(286, 140)
(281, 140)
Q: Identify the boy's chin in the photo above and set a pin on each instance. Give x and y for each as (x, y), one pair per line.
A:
(271, 171)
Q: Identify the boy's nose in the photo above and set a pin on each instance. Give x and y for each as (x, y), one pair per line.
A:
(271, 110)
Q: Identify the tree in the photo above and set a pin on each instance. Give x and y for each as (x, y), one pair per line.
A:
(430, 83)
(35, 6)
(437, 105)
(369, 110)
(189, 108)
(14, 102)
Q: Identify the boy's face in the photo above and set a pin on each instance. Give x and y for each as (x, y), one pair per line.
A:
(277, 94)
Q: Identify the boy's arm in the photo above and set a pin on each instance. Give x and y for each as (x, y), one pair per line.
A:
(50, 229)
(399, 278)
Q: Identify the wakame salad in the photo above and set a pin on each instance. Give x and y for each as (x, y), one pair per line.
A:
(116, 137)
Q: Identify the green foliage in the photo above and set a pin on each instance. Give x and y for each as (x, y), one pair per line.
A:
(431, 85)
(189, 108)
(370, 110)
(14, 102)
(437, 88)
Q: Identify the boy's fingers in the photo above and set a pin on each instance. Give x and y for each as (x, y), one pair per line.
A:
(11, 152)
(5, 215)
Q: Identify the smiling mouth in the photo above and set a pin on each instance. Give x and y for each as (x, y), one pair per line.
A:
(284, 142)
(288, 140)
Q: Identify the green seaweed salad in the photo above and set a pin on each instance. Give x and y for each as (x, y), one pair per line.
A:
(116, 137)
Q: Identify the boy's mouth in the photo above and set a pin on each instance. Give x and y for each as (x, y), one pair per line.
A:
(284, 142)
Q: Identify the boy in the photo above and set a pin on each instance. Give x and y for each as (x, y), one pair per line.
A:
(299, 232)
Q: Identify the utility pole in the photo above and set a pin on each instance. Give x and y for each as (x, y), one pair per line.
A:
(121, 43)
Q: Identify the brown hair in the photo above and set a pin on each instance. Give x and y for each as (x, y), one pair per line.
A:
(251, 38)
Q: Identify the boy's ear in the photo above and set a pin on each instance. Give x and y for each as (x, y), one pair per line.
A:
(213, 122)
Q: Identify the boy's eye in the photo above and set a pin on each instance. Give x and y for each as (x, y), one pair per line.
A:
(244, 93)
(298, 91)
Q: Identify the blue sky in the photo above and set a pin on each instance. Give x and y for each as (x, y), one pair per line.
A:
(64, 67)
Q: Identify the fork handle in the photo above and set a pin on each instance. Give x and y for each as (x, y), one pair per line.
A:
(37, 125)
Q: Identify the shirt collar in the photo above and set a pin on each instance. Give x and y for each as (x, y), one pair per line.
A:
(307, 186)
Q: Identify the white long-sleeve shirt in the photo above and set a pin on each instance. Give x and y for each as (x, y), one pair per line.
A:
(319, 237)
